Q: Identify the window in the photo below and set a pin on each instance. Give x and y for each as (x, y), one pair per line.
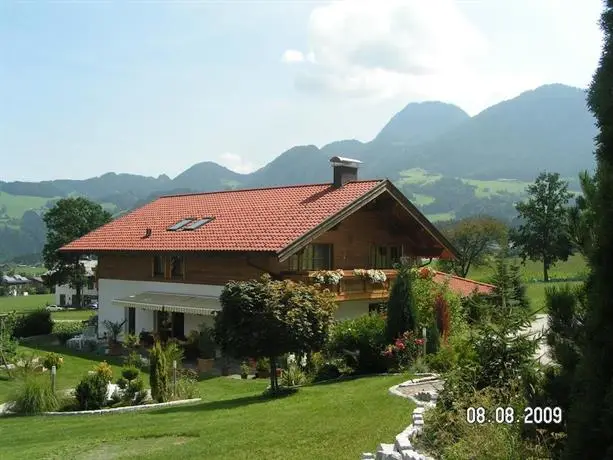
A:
(376, 308)
(131, 320)
(385, 256)
(90, 282)
(198, 223)
(180, 224)
(158, 266)
(176, 267)
(312, 257)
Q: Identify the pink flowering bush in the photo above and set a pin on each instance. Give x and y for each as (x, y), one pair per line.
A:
(404, 350)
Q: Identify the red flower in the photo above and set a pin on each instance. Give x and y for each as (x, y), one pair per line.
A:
(419, 341)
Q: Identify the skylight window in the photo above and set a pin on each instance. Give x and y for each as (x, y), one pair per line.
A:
(182, 223)
(198, 223)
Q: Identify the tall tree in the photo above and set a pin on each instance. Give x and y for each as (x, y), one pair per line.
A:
(475, 238)
(542, 233)
(264, 318)
(68, 220)
(582, 215)
(401, 307)
(590, 421)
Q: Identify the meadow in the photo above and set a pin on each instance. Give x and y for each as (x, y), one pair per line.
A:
(32, 302)
(337, 420)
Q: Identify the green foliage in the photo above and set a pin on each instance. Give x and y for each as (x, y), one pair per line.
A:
(66, 330)
(542, 233)
(133, 359)
(130, 373)
(53, 359)
(401, 308)
(135, 390)
(360, 342)
(474, 238)
(114, 329)
(262, 365)
(131, 341)
(293, 376)
(327, 371)
(8, 344)
(68, 220)
(159, 378)
(105, 371)
(582, 216)
(509, 290)
(567, 310)
(187, 384)
(34, 396)
(433, 339)
(37, 322)
(91, 392)
(270, 318)
(404, 351)
(206, 342)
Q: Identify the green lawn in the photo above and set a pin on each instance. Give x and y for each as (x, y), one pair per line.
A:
(72, 315)
(16, 205)
(29, 270)
(327, 421)
(25, 303)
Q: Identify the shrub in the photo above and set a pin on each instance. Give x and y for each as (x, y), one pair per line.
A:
(130, 373)
(404, 350)
(66, 330)
(91, 392)
(328, 371)
(105, 371)
(122, 383)
(360, 342)
(444, 360)
(433, 337)
(187, 384)
(158, 374)
(53, 359)
(292, 376)
(37, 322)
(262, 365)
(134, 388)
(173, 352)
(133, 360)
(34, 396)
(402, 312)
(131, 341)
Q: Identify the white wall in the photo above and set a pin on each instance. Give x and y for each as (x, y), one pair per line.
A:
(109, 290)
(352, 309)
(70, 292)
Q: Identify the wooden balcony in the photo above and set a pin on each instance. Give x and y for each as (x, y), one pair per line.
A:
(351, 287)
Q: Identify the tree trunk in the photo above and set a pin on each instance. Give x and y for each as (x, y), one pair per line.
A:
(274, 383)
(77, 296)
(545, 272)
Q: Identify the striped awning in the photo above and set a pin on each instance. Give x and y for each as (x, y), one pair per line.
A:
(178, 303)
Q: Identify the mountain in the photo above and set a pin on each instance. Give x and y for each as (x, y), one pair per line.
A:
(549, 128)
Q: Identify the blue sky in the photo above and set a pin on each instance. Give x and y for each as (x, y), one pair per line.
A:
(154, 87)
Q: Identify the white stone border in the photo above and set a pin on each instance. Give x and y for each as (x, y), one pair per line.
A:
(115, 410)
(403, 449)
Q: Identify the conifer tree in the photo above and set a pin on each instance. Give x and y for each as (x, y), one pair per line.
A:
(401, 308)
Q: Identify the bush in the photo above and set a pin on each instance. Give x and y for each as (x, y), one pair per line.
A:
(133, 360)
(444, 360)
(262, 365)
(366, 337)
(328, 371)
(122, 383)
(34, 396)
(130, 373)
(433, 337)
(158, 374)
(66, 330)
(91, 392)
(37, 322)
(292, 376)
(53, 359)
(187, 384)
(134, 389)
(105, 371)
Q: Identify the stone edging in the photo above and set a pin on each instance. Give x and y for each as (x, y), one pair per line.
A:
(403, 449)
(115, 410)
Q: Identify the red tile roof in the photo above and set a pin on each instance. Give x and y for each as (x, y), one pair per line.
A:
(266, 219)
(462, 286)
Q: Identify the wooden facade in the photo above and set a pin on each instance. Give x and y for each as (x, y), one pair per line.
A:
(375, 236)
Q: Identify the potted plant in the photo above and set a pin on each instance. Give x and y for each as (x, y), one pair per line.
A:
(206, 350)
(262, 368)
(114, 330)
(328, 277)
(245, 370)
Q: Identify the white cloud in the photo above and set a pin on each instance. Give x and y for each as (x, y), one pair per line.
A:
(291, 56)
(417, 50)
(236, 163)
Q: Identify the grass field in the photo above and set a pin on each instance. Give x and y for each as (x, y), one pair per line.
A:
(327, 421)
(32, 302)
(30, 271)
(16, 205)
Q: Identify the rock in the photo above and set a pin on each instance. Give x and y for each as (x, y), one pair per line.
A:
(383, 451)
(368, 456)
(409, 454)
(419, 410)
(393, 456)
(402, 442)
(419, 423)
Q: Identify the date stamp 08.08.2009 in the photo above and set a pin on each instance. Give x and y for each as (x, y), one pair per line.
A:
(508, 415)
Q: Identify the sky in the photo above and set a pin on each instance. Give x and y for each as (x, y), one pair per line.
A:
(152, 88)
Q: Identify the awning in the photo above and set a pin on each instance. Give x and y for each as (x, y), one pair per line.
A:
(178, 303)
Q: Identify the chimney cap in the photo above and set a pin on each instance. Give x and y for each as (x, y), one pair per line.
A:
(344, 161)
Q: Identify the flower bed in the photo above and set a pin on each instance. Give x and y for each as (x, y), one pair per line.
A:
(331, 277)
(374, 276)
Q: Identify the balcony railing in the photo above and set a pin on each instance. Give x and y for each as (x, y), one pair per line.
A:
(350, 286)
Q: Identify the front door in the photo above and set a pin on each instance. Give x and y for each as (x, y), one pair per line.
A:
(131, 320)
(178, 325)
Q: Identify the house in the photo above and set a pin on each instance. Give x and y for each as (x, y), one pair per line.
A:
(15, 284)
(162, 266)
(65, 294)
